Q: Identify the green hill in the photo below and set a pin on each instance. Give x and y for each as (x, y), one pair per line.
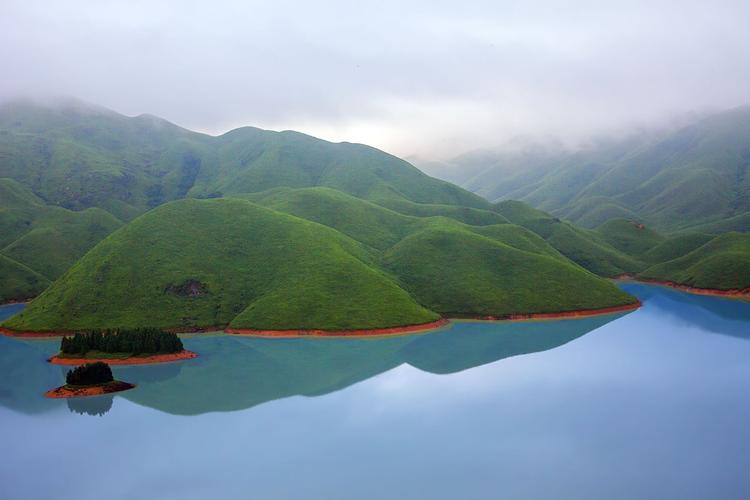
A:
(19, 282)
(629, 237)
(199, 263)
(77, 155)
(670, 179)
(723, 263)
(676, 246)
(220, 262)
(457, 272)
(70, 172)
(46, 239)
(587, 248)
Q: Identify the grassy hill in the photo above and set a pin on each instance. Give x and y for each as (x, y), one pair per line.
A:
(70, 172)
(669, 179)
(629, 237)
(195, 263)
(78, 155)
(219, 262)
(587, 248)
(723, 263)
(19, 282)
(43, 238)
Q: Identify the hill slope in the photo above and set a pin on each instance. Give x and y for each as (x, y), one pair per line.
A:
(195, 263)
(46, 239)
(71, 171)
(211, 263)
(723, 264)
(672, 179)
(77, 155)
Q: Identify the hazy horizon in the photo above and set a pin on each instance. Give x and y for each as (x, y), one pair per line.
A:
(427, 79)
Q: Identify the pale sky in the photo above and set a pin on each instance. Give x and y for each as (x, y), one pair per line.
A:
(432, 78)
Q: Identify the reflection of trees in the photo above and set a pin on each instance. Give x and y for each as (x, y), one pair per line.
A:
(94, 406)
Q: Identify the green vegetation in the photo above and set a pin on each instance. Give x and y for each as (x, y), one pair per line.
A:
(89, 374)
(629, 237)
(696, 177)
(723, 263)
(198, 263)
(78, 155)
(19, 282)
(38, 243)
(676, 246)
(478, 275)
(587, 248)
(244, 264)
(71, 172)
(132, 342)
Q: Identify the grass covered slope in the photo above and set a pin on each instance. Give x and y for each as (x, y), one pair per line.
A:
(587, 248)
(200, 263)
(77, 155)
(672, 179)
(629, 237)
(19, 282)
(45, 239)
(436, 264)
(722, 264)
(217, 262)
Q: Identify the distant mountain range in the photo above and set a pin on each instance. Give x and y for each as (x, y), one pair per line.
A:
(695, 177)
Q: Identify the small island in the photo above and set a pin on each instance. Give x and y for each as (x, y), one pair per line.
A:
(121, 347)
(91, 379)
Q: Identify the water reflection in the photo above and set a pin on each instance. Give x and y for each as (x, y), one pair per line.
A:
(714, 314)
(234, 373)
(94, 406)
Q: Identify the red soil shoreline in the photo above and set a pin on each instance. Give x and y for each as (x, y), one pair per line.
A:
(433, 325)
(66, 392)
(583, 313)
(734, 293)
(135, 360)
(339, 333)
(396, 330)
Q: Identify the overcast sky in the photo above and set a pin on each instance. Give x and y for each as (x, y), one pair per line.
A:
(432, 78)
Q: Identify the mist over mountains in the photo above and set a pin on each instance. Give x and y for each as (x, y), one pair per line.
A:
(672, 178)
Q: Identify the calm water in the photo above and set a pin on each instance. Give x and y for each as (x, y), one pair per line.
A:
(652, 404)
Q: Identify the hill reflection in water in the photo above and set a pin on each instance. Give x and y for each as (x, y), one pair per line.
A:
(235, 373)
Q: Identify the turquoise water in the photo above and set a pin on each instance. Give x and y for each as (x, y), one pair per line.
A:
(651, 404)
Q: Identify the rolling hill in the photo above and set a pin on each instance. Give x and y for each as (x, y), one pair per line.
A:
(206, 263)
(77, 155)
(669, 179)
(722, 264)
(71, 172)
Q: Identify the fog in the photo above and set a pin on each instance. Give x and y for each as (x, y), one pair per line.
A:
(428, 78)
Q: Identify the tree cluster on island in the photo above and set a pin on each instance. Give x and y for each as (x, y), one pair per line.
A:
(89, 374)
(136, 341)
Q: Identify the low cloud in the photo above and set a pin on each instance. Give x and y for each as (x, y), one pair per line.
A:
(430, 78)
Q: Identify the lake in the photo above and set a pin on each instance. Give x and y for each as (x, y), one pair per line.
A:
(650, 404)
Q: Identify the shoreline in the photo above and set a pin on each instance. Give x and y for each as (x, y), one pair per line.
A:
(133, 360)
(435, 324)
(732, 293)
(581, 313)
(368, 332)
(97, 390)
(9, 302)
